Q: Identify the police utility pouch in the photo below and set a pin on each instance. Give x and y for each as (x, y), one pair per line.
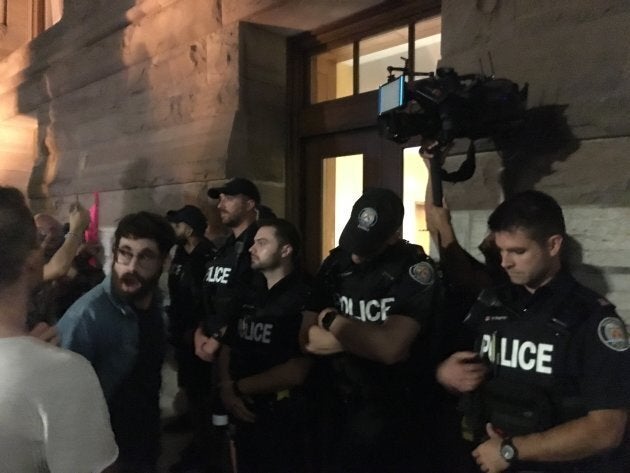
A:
(516, 408)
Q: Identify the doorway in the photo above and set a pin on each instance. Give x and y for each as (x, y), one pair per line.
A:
(337, 167)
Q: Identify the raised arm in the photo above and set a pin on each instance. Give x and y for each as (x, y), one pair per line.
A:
(61, 261)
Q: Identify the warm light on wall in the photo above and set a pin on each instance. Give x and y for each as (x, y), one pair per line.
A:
(17, 151)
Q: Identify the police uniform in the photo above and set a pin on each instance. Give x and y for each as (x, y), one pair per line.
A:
(186, 311)
(264, 335)
(382, 412)
(554, 356)
(227, 276)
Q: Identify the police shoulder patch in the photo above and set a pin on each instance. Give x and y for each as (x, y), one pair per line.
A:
(612, 333)
(423, 273)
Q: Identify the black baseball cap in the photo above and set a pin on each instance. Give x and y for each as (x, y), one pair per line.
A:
(238, 185)
(375, 217)
(190, 215)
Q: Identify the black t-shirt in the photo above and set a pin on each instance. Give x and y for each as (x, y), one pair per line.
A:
(185, 282)
(227, 276)
(135, 406)
(265, 332)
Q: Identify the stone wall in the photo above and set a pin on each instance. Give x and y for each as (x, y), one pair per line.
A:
(574, 56)
(150, 102)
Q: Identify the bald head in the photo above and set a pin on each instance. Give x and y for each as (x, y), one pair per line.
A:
(51, 233)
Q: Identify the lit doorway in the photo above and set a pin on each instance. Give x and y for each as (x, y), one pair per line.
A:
(415, 180)
(342, 184)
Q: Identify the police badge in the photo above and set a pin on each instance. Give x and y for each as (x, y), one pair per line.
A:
(367, 218)
(612, 332)
(422, 273)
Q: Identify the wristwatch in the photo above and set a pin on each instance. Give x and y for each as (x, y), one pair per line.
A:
(328, 319)
(508, 451)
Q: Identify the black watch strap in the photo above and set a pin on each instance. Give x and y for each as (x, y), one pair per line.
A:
(508, 451)
(328, 319)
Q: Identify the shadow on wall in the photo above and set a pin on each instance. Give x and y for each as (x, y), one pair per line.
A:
(587, 274)
(83, 83)
(528, 153)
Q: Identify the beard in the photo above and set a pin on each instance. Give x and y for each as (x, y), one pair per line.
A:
(130, 286)
(269, 263)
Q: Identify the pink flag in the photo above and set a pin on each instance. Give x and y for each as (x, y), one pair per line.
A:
(91, 234)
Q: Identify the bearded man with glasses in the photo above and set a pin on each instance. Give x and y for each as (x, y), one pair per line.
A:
(118, 326)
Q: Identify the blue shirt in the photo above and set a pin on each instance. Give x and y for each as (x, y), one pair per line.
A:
(104, 329)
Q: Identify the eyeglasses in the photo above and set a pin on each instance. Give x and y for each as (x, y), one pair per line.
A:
(145, 259)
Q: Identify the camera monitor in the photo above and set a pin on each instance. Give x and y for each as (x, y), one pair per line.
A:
(391, 95)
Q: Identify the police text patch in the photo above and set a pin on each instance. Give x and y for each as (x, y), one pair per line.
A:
(422, 273)
(612, 332)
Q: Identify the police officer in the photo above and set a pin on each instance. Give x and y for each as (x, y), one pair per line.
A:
(261, 364)
(373, 306)
(553, 385)
(187, 270)
(230, 270)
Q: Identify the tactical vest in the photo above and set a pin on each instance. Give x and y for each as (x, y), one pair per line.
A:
(225, 275)
(533, 380)
(364, 294)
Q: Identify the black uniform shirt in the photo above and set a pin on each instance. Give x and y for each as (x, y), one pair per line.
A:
(227, 276)
(401, 281)
(561, 335)
(265, 332)
(185, 279)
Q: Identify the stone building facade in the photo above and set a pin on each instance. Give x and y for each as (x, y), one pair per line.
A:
(149, 102)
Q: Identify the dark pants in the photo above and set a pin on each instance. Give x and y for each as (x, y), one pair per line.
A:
(276, 442)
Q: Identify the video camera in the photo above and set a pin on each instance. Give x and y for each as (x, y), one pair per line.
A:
(444, 106)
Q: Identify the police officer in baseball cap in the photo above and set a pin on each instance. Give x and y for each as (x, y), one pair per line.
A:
(191, 216)
(186, 311)
(236, 186)
(369, 317)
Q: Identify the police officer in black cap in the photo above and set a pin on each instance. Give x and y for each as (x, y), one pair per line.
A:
(227, 279)
(374, 302)
(185, 279)
(230, 271)
(548, 382)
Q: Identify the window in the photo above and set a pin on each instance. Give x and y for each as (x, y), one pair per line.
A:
(45, 14)
(361, 66)
(331, 74)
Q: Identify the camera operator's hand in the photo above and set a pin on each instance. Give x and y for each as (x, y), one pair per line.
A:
(438, 218)
(429, 147)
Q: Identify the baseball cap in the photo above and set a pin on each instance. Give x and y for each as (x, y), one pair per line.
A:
(190, 215)
(375, 217)
(238, 185)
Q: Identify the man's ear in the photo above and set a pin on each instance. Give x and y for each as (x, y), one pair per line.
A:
(554, 244)
(189, 231)
(251, 204)
(286, 251)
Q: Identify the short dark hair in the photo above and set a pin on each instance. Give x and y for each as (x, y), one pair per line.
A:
(146, 225)
(18, 235)
(286, 233)
(532, 211)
